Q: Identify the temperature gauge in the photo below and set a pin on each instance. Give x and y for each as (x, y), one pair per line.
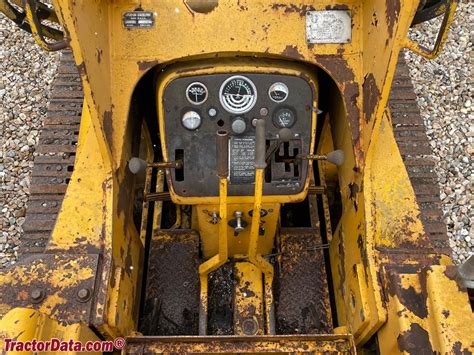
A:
(196, 93)
(284, 118)
(278, 92)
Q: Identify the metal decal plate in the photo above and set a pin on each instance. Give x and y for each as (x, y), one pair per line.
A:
(138, 19)
(332, 26)
(242, 160)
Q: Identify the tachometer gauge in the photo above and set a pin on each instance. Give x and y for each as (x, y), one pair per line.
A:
(284, 118)
(278, 92)
(238, 94)
(196, 93)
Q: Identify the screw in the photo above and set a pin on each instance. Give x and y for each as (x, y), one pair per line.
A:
(83, 295)
(37, 295)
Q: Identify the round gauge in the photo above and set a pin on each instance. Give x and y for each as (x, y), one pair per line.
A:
(238, 94)
(196, 93)
(191, 120)
(284, 118)
(278, 92)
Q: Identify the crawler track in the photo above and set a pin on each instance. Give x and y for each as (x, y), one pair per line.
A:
(57, 146)
(54, 163)
(410, 134)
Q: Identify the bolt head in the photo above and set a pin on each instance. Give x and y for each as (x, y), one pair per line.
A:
(83, 294)
(37, 295)
(250, 326)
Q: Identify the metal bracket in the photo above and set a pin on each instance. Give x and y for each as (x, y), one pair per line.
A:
(449, 9)
(30, 20)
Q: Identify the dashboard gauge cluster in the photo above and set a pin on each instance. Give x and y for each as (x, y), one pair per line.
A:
(195, 107)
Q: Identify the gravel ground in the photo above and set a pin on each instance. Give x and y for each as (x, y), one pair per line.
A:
(446, 98)
(444, 89)
(26, 75)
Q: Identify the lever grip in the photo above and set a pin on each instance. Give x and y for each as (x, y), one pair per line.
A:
(260, 144)
(222, 154)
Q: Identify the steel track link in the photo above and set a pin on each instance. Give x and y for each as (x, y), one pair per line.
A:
(58, 139)
(54, 162)
(410, 134)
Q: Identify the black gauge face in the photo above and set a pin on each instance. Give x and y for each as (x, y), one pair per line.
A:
(196, 93)
(238, 94)
(284, 118)
(278, 92)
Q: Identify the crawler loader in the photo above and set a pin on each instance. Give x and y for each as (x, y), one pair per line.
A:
(235, 176)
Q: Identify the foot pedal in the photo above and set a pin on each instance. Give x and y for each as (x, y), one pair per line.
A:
(301, 288)
(172, 284)
(220, 301)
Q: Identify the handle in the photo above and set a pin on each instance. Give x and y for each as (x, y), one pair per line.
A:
(449, 9)
(260, 144)
(222, 154)
(37, 28)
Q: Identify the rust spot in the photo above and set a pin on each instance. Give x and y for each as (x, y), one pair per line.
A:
(457, 349)
(338, 68)
(99, 55)
(147, 64)
(413, 301)
(371, 96)
(81, 68)
(292, 51)
(415, 341)
(241, 7)
(342, 268)
(391, 13)
(451, 273)
(108, 127)
(246, 291)
(337, 7)
(291, 8)
(354, 189)
(363, 255)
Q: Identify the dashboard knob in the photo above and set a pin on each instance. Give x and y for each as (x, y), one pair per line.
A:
(239, 126)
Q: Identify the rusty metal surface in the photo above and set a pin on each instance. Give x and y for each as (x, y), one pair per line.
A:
(301, 292)
(59, 285)
(410, 134)
(54, 164)
(220, 301)
(309, 344)
(172, 285)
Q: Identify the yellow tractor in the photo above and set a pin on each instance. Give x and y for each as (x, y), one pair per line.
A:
(235, 176)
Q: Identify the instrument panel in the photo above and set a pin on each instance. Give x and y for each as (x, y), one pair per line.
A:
(195, 107)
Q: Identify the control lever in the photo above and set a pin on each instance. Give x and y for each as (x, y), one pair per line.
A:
(253, 255)
(138, 166)
(222, 170)
(284, 135)
(335, 157)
